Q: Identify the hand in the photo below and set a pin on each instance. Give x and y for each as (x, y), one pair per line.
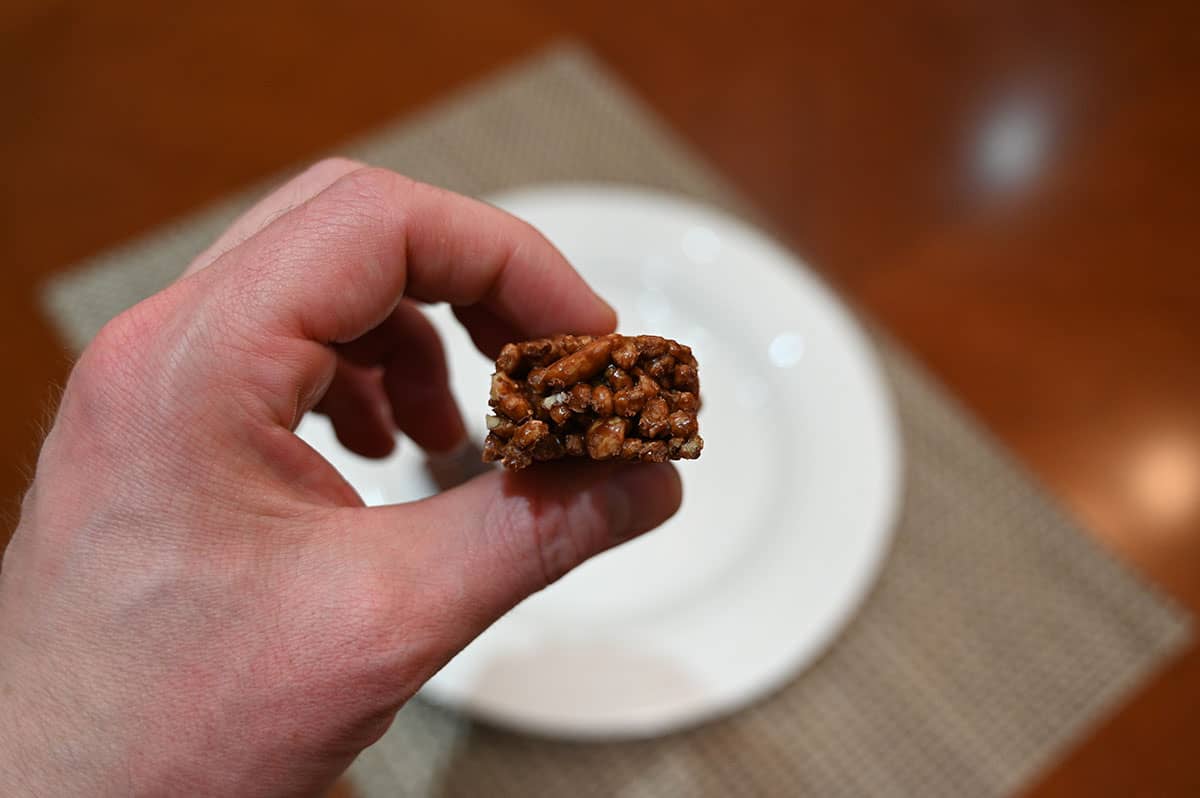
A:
(194, 601)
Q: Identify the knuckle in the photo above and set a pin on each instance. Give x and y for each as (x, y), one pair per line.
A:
(367, 198)
(373, 185)
(108, 389)
(533, 234)
(146, 365)
(113, 357)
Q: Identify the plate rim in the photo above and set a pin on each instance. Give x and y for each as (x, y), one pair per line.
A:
(891, 494)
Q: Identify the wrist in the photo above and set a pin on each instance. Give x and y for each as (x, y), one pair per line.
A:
(26, 748)
(41, 752)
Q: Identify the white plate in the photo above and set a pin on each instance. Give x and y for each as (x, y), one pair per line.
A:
(786, 517)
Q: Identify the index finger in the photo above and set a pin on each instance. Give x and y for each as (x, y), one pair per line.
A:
(333, 268)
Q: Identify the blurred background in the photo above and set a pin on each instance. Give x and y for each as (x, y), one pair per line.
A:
(1009, 189)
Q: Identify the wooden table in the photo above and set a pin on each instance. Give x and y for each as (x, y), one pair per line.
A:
(1011, 188)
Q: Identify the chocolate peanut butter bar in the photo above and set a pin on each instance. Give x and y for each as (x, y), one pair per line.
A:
(613, 397)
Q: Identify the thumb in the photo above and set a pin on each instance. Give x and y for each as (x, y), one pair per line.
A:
(487, 544)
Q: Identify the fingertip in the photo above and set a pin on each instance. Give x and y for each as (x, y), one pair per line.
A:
(488, 331)
(599, 319)
(627, 499)
(642, 497)
(493, 540)
(611, 319)
(364, 439)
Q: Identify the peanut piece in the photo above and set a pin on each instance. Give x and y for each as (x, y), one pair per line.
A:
(653, 422)
(604, 438)
(683, 424)
(618, 379)
(626, 355)
(602, 401)
(501, 426)
(629, 402)
(515, 407)
(681, 400)
(502, 385)
(682, 353)
(581, 397)
(509, 359)
(660, 367)
(530, 433)
(686, 378)
(652, 346)
(573, 368)
(655, 452)
(560, 414)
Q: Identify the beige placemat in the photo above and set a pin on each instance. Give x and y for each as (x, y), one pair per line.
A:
(998, 632)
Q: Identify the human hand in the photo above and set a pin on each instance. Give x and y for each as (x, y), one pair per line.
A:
(194, 601)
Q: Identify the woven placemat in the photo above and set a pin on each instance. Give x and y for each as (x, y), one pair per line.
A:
(997, 635)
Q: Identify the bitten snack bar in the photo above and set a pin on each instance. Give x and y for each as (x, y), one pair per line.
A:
(613, 397)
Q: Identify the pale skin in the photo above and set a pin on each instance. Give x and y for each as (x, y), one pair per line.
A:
(195, 602)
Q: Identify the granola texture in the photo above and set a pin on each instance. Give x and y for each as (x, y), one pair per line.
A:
(612, 397)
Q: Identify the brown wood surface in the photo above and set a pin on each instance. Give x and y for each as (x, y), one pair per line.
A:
(1061, 305)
